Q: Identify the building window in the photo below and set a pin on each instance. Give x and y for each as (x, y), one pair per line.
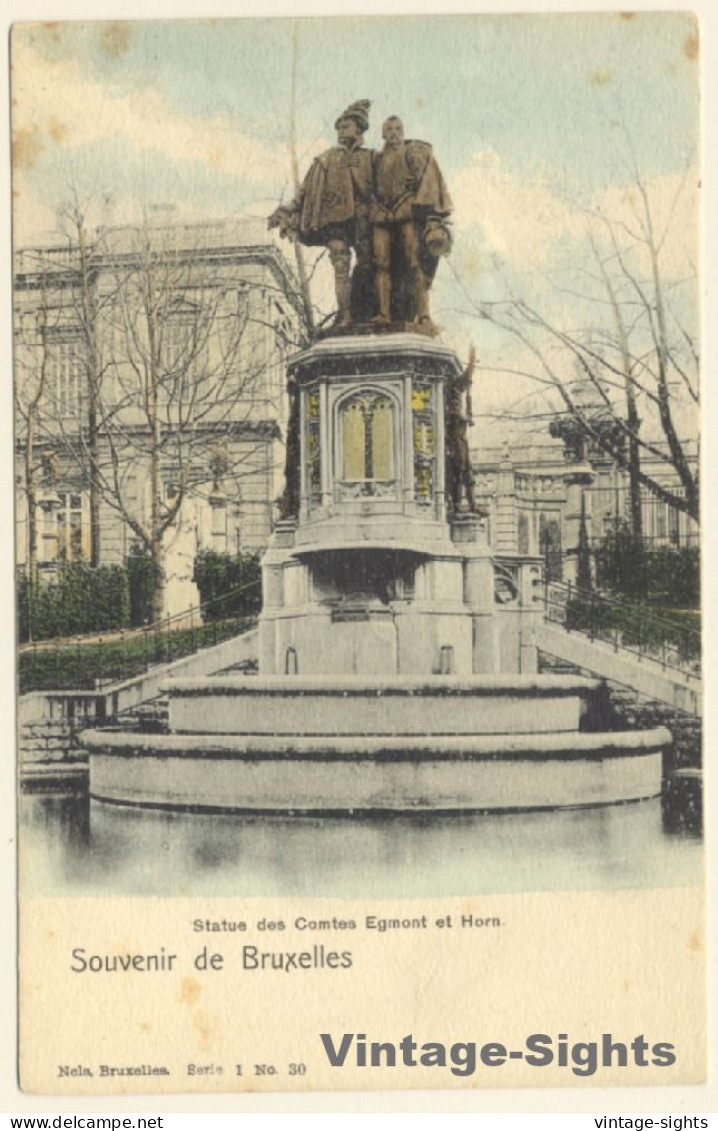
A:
(661, 510)
(65, 377)
(523, 533)
(70, 547)
(550, 546)
(185, 350)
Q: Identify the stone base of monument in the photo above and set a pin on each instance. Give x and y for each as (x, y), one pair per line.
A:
(383, 744)
(364, 329)
(378, 706)
(397, 649)
(350, 775)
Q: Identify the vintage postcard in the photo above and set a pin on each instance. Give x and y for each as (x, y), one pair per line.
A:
(356, 393)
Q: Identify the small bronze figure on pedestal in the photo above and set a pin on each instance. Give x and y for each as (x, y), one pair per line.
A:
(289, 500)
(460, 474)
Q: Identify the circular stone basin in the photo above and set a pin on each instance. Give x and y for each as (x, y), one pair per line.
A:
(329, 774)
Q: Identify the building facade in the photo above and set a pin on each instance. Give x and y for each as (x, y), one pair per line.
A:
(538, 493)
(150, 394)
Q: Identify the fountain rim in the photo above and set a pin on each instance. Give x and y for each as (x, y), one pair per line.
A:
(542, 747)
(387, 685)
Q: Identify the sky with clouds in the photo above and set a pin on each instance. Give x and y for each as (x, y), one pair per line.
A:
(536, 121)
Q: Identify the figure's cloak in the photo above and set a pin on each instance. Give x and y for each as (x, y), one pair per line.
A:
(336, 189)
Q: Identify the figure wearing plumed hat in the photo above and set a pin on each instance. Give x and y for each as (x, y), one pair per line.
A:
(332, 210)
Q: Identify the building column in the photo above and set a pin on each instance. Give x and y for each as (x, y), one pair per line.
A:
(506, 533)
(577, 479)
(325, 445)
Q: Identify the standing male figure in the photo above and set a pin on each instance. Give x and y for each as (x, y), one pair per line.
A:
(332, 210)
(460, 474)
(290, 498)
(409, 224)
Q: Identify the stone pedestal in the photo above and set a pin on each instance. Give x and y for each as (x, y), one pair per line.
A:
(372, 578)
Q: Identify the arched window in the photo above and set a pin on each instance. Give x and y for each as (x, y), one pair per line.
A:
(367, 430)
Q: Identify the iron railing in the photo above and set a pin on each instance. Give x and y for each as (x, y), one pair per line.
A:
(94, 661)
(636, 629)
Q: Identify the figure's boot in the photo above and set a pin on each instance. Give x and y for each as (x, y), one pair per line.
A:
(383, 296)
(422, 299)
(344, 303)
(342, 285)
(469, 488)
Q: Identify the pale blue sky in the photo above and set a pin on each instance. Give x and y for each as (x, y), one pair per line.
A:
(540, 90)
(533, 119)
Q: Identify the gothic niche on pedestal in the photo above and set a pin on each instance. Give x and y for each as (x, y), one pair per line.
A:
(366, 456)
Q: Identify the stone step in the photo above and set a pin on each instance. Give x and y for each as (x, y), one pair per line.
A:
(48, 774)
(151, 716)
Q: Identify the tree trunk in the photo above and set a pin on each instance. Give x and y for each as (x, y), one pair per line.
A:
(31, 502)
(156, 528)
(632, 418)
(634, 480)
(298, 250)
(89, 319)
(160, 581)
(94, 489)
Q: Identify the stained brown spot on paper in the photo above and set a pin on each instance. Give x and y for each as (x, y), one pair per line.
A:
(190, 991)
(145, 1027)
(57, 130)
(695, 942)
(602, 76)
(690, 47)
(217, 156)
(208, 1030)
(27, 145)
(471, 265)
(115, 38)
(627, 15)
(52, 29)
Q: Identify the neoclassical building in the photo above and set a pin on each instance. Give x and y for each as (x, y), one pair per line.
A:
(156, 356)
(539, 489)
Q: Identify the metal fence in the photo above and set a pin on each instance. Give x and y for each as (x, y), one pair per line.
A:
(92, 662)
(666, 639)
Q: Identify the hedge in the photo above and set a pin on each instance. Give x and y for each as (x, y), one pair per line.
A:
(83, 664)
(83, 600)
(668, 576)
(238, 579)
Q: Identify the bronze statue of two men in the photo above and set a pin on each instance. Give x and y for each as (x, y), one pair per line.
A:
(390, 207)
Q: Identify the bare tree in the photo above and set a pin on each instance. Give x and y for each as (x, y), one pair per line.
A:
(179, 363)
(65, 365)
(32, 366)
(633, 351)
(304, 280)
